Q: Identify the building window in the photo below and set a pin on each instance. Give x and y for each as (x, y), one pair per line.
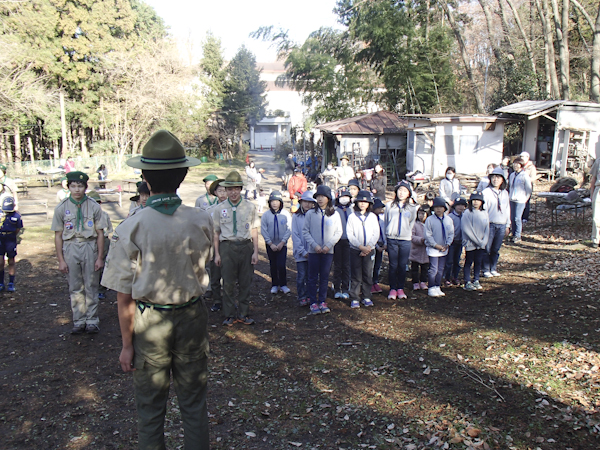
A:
(468, 144)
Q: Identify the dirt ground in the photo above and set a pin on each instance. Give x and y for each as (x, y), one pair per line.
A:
(514, 366)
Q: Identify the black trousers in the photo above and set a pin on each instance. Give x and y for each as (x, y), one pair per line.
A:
(362, 274)
(341, 268)
(414, 269)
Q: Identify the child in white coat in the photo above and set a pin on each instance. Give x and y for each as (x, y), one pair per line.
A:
(439, 234)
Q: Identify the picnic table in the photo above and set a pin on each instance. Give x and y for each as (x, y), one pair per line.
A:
(131, 181)
(106, 192)
(558, 202)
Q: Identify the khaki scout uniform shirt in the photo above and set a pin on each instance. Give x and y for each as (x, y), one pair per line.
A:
(65, 220)
(246, 218)
(205, 201)
(139, 261)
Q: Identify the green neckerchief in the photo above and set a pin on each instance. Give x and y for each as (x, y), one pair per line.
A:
(211, 202)
(164, 203)
(79, 218)
(234, 207)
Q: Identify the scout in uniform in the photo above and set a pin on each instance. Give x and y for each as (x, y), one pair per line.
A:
(108, 229)
(80, 249)
(64, 192)
(220, 192)
(9, 187)
(162, 316)
(11, 225)
(138, 201)
(207, 200)
(236, 248)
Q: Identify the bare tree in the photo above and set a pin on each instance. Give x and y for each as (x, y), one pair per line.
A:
(552, 87)
(561, 27)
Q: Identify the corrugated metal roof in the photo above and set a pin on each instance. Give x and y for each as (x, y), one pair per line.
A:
(449, 118)
(535, 107)
(381, 122)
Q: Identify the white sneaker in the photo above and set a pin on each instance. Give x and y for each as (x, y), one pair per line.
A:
(338, 295)
(432, 292)
(285, 289)
(274, 289)
(495, 273)
(439, 291)
(487, 274)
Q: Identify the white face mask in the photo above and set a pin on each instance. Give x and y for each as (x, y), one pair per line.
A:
(450, 176)
(344, 200)
(329, 167)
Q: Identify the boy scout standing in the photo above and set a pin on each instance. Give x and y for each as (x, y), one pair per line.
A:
(162, 316)
(9, 230)
(207, 200)
(79, 242)
(236, 248)
(108, 228)
(220, 192)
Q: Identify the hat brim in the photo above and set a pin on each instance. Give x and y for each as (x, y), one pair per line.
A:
(370, 200)
(214, 185)
(232, 184)
(137, 163)
(135, 198)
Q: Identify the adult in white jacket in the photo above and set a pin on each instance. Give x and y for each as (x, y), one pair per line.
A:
(519, 192)
(363, 233)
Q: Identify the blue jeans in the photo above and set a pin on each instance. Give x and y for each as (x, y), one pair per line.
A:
(377, 266)
(452, 267)
(277, 265)
(319, 266)
(516, 218)
(436, 267)
(398, 252)
(496, 236)
(302, 279)
(473, 257)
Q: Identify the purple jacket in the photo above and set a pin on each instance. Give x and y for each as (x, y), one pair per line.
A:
(418, 251)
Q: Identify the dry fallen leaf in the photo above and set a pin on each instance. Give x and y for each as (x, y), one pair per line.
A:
(427, 371)
(250, 434)
(473, 432)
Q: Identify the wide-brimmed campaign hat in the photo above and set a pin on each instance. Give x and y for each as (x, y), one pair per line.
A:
(233, 179)
(162, 151)
(214, 185)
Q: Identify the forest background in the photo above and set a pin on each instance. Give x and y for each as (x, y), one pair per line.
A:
(91, 77)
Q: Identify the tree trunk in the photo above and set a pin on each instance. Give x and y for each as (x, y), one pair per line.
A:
(9, 157)
(17, 146)
(552, 87)
(595, 64)
(506, 29)
(561, 26)
(84, 150)
(465, 57)
(524, 36)
(490, 27)
(3, 158)
(63, 124)
(30, 146)
(55, 149)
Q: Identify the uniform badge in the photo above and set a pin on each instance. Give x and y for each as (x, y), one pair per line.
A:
(247, 226)
(114, 238)
(90, 223)
(69, 225)
(67, 212)
(224, 213)
(205, 204)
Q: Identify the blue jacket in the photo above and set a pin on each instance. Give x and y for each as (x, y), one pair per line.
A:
(11, 223)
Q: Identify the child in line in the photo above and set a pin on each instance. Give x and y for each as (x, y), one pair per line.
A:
(322, 230)
(400, 217)
(452, 267)
(439, 234)
(275, 227)
(475, 232)
(363, 234)
(107, 231)
(11, 225)
(418, 251)
(341, 251)
(219, 191)
(307, 202)
(378, 210)
(450, 187)
(139, 200)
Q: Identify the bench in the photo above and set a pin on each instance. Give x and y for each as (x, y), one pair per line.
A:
(34, 203)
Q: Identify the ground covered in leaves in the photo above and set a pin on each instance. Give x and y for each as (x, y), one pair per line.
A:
(515, 366)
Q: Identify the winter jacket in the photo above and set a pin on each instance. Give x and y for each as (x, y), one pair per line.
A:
(418, 250)
(300, 245)
(435, 236)
(345, 213)
(379, 184)
(456, 220)
(409, 216)
(363, 230)
(320, 229)
(297, 183)
(497, 205)
(449, 189)
(475, 229)
(519, 187)
(276, 228)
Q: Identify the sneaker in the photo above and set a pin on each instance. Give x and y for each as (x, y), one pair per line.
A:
(447, 283)
(304, 302)
(455, 282)
(516, 240)
(469, 286)
(229, 322)
(400, 293)
(314, 309)
(439, 291)
(377, 288)
(423, 285)
(432, 292)
(373, 290)
(354, 304)
(101, 295)
(367, 302)
(92, 328)
(345, 295)
(488, 274)
(495, 273)
(216, 307)
(416, 286)
(245, 320)
(274, 289)
(324, 309)
(392, 295)
(338, 295)
(285, 289)
(78, 329)
(476, 285)
(11, 287)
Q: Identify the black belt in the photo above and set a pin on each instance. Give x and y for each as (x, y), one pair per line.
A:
(143, 305)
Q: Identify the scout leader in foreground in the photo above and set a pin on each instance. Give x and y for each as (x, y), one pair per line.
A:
(156, 263)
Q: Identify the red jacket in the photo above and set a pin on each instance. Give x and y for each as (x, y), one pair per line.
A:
(297, 183)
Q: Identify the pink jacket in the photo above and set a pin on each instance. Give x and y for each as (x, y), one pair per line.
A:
(418, 251)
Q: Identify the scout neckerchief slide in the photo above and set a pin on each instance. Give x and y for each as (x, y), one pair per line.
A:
(233, 208)
(79, 218)
(164, 203)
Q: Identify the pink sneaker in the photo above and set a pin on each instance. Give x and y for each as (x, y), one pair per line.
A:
(423, 285)
(401, 294)
(392, 295)
(373, 290)
(377, 288)
(416, 286)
